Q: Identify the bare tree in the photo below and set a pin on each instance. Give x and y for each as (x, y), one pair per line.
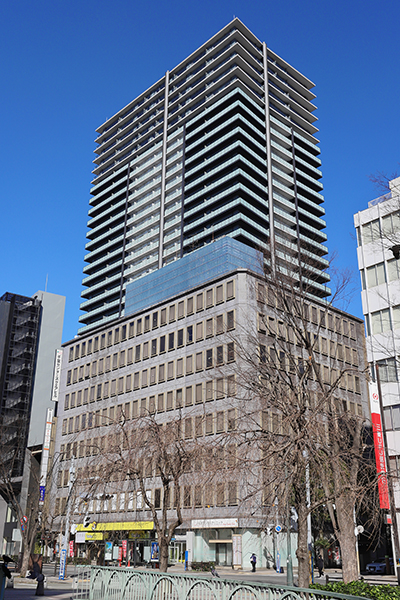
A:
(159, 464)
(299, 429)
(24, 501)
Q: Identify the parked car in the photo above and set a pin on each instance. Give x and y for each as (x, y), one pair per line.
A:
(378, 566)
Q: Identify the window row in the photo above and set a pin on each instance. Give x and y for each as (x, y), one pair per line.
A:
(174, 399)
(154, 347)
(322, 345)
(388, 371)
(194, 363)
(391, 416)
(188, 496)
(273, 359)
(199, 302)
(312, 314)
(373, 231)
(381, 320)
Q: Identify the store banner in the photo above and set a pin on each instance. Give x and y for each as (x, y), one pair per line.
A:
(381, 469)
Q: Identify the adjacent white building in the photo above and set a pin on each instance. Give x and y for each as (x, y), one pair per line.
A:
(378, 238)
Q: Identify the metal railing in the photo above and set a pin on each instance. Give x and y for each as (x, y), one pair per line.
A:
(108, 583)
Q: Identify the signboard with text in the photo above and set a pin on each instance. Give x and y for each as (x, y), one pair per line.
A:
(376, 418)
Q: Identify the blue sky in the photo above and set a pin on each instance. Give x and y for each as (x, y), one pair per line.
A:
(68, 66)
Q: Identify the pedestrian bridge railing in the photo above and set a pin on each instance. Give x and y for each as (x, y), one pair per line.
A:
(110, 583)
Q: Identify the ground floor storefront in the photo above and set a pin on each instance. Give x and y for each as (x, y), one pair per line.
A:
(228, 542)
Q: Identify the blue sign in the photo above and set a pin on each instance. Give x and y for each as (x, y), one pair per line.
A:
(63, 562)
(42, 491)
(278, 529)
(154, 552)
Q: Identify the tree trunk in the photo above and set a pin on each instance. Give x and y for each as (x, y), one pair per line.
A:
(302, 547)
(347, 539)
(163, 549)
(26, 551)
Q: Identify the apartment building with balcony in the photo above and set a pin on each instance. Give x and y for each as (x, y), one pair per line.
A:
(224, 144)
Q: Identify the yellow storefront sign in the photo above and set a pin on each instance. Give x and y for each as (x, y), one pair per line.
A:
(118, 526)
(96, 535)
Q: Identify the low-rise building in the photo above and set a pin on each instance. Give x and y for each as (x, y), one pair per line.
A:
(177, 355)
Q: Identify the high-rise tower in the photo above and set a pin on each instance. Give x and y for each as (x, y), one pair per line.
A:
(223, 145)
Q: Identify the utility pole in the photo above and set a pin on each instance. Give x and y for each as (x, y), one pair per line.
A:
(392, 504)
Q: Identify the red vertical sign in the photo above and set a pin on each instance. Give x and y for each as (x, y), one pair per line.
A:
(120, 555)
(379, 448)
(71, 548)
(124, 547)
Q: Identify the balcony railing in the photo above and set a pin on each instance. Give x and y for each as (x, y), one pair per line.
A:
(109, 583)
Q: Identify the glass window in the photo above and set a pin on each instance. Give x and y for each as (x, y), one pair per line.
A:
(171, 340)
(209, 328)
(396, 317)
(376, 275)
(155, 320)
(220, 355)
(138, 326)
(181, 309)
(380, 321)
(189, 306)
(199, 361)
(147, 323)
(209, 298)
(209, 358)
(199, 302)
(370, 232)
(170, 400)
(199, 393)
(170, 370)
(162, 344)
(220, 324)
(180, 338)
(199, 331)
(172, 313)
(393, 267)
(387, 370)
(163, 319)
(396, 417)
(189, 334)
(153, 347)
(179, 367)
(189, 396)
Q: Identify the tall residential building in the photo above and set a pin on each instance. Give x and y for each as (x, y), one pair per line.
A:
(378, 236)
(30, 333)
(223, 145)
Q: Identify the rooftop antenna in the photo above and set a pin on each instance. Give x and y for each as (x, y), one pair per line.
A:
(47, 278)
